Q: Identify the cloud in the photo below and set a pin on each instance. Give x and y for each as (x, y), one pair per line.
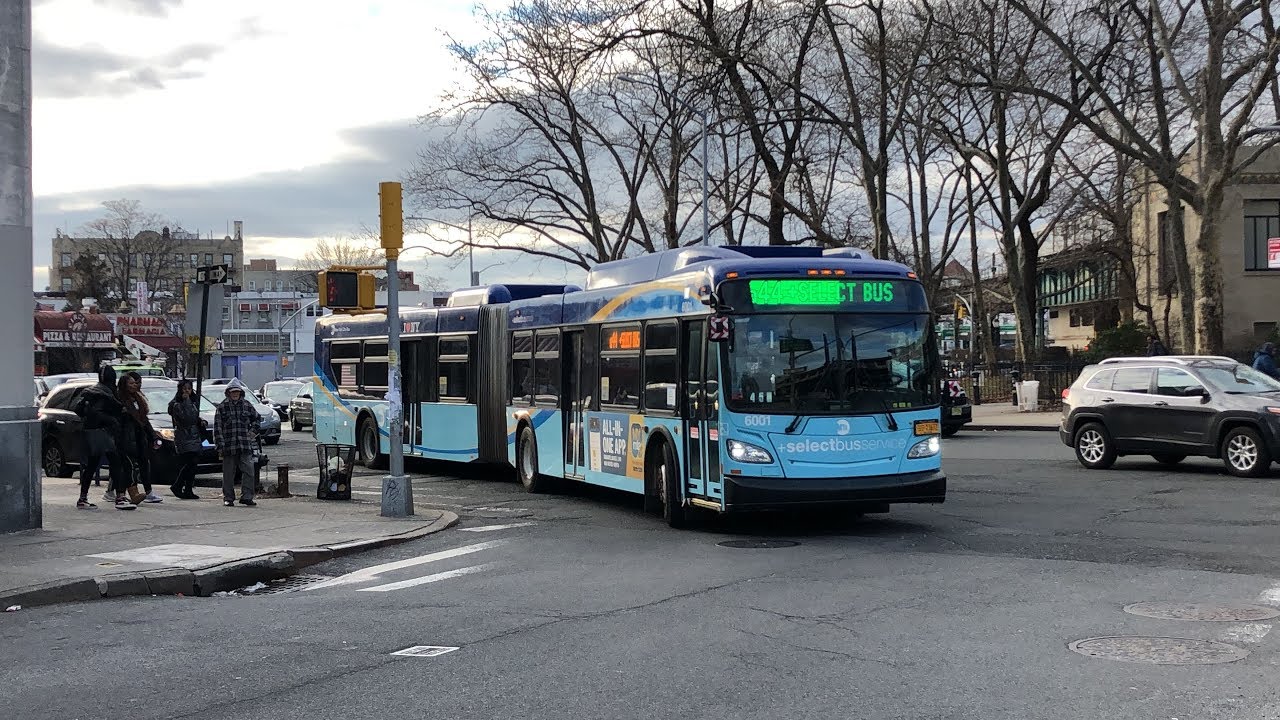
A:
(154, 8)
(60, 71)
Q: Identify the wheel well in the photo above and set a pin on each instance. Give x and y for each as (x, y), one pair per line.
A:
(652, 450)
(1080, 422)
(1228, 426)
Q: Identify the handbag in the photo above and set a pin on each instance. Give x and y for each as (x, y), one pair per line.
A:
(98, 442)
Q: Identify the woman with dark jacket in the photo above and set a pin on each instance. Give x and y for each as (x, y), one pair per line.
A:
(103, 415)
(137, 438)
(188, 434)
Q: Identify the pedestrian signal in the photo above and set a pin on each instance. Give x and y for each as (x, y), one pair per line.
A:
(345, 290)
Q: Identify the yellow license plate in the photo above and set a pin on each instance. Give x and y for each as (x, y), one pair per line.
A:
(928, 427)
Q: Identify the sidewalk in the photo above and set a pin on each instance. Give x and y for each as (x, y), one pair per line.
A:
(1005, 416)
(189, 547)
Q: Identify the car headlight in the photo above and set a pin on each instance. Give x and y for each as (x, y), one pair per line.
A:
(748, 453)
(166, 434)
(925, 448)
(1274, 410)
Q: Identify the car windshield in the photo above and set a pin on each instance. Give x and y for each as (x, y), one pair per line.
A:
(282, 394)
(832, 363)
(1239, 379)
(158, 398)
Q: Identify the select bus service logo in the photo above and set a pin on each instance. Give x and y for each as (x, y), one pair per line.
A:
(841, 444)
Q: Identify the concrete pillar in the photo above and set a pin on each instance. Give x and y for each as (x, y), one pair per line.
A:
(19, 430)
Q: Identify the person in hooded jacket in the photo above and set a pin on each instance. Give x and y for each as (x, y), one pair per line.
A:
(188, 435)
(235, 429)
(137, 439)
(1264, 361)
(103, 417)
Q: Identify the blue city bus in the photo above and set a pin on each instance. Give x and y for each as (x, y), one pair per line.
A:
(708, 378)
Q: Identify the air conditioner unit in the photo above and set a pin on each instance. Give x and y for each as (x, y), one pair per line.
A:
(244, 307)
(263, 307)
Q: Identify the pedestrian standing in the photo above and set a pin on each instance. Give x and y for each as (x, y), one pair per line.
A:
(103, 418)
(188, 435)
(1264, 360)
(235, 427)
(137, 439)
(1155, 347)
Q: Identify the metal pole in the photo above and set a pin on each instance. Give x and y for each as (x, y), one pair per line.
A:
(397, 488)
(205, 287)
(706, 174)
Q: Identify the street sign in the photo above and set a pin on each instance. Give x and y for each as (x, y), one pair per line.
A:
(718, 328)
(1273, 253)
(213, 274)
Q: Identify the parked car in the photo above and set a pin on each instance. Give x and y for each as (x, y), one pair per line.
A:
(301, 409)
(45, 384)
(1171, 408)
(956, 410)
(62, 430)
(268, 428)
(278, 393)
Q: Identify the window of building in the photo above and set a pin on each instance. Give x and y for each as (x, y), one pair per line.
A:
(102, 257)
(546, 367)
(452, 368)
(1261, 222)
(660, 367)
(66, 284)
(1082, 317)
(177, 260)
(147, 260)
(1262, 331)
(66, 259)
(264, 316)
(195, 260)
(1132, 380)
(253, 284)
(522, 378)
(133, 260)
(228, 258)
(226, 313)
(208, 258)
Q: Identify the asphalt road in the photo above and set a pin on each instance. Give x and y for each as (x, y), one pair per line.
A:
(579, 605)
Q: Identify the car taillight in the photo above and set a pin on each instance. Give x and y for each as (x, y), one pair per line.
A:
(1066, 393)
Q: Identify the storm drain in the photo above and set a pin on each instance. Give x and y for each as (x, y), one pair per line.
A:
(1202, 612)
(1158, 650)
(292, 583)
(424, 651)
(757, 544)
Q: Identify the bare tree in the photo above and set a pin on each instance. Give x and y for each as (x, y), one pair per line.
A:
(131, 245)
(338, 250)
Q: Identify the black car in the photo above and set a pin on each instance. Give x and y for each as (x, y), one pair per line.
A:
(278, 393)
(1171, 408)
(956, 410)
(62, 430)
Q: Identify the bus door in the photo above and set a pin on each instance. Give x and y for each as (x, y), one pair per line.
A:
(413, 385)
(701, 412)
(573, 403)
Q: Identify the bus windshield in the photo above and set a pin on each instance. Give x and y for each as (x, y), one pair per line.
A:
(831, 363)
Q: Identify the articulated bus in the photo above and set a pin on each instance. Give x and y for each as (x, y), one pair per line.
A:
(707, 378)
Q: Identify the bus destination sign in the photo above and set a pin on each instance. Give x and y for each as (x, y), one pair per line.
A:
(820, 293)
(621, 339)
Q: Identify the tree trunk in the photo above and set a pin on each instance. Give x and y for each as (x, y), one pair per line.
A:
(1176, 230)
(1208, 297)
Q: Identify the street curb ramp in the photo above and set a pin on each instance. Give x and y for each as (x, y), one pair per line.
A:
(206, 581)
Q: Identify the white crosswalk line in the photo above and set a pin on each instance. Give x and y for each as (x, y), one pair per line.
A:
(491, 528)
(370, 573)
(1251, 633)
(1270, 596)
(437, 577)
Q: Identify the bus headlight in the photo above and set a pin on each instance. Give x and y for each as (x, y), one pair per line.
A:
(925, 448)
(748, 453)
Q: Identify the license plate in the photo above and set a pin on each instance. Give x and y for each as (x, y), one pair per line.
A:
(927, 427)
(957, 411)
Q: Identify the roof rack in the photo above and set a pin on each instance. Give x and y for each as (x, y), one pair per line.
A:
(1177, 359)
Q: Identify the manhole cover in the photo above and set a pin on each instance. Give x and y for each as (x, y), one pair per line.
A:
(424, 651)
(1158, 650)
(757, 544)
(1202, 612)
(284, 585)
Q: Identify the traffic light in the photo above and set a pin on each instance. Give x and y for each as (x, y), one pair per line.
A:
(391, 215)
(346, 289)
(961, 311)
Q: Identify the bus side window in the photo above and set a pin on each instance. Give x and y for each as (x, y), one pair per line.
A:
(661, 367)
(546, 362)
(453, 368)
(522, 368)
(344, 361)
(620, 366)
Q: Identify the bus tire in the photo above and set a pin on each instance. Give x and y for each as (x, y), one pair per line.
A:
(368, 445)
(527, 463)
(666, 479)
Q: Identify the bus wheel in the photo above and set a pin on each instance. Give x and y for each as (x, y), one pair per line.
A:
(368, 446)
(666, 475)
(527, 463)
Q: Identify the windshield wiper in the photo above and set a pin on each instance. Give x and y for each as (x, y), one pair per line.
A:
(793, 425)
(888, 413)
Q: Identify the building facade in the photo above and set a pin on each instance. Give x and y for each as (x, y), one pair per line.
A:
(1251, 289)
(1080, 292)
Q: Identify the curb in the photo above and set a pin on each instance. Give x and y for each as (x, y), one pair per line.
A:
(207, 581)
(994, 428)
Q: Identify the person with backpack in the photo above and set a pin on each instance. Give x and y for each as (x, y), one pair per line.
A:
(188, 434)
(103, 416)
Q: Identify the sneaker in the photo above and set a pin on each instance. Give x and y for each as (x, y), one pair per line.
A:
(228, 503)
(153, 498)
(248, 503)
(84, 504)
(109, 496)
(122, 503)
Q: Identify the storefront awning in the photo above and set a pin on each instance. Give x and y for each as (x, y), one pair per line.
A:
(73, 330)
(154, 344)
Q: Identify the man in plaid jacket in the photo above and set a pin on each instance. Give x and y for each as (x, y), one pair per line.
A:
(235, 432)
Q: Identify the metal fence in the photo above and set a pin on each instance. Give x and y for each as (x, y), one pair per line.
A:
(998, 387)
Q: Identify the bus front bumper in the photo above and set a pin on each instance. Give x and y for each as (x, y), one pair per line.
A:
(764, 493)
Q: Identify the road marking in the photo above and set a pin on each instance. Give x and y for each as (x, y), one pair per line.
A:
(425, 651)
(437, 577)
(1270, 596)
(420, 503)
(491, 528)
(370, 573)
(500, 509)
(1252, 633)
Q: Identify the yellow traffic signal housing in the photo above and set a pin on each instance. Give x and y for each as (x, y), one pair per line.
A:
(346, 289)
(961, 311)
(391, 215)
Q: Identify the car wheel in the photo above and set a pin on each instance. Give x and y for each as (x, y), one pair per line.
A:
(1094, 448)
(295, 426)
(1245, 454)
(666, 479)
(55, 461)
(527, 463)
(1167, 459)
(367, 443)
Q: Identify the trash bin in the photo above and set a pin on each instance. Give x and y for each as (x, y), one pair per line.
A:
(1029, 395)
(336, 465)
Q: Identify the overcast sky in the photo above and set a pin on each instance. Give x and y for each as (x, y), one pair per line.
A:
(282, 113)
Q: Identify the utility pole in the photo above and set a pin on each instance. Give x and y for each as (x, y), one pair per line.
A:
(397, 489)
